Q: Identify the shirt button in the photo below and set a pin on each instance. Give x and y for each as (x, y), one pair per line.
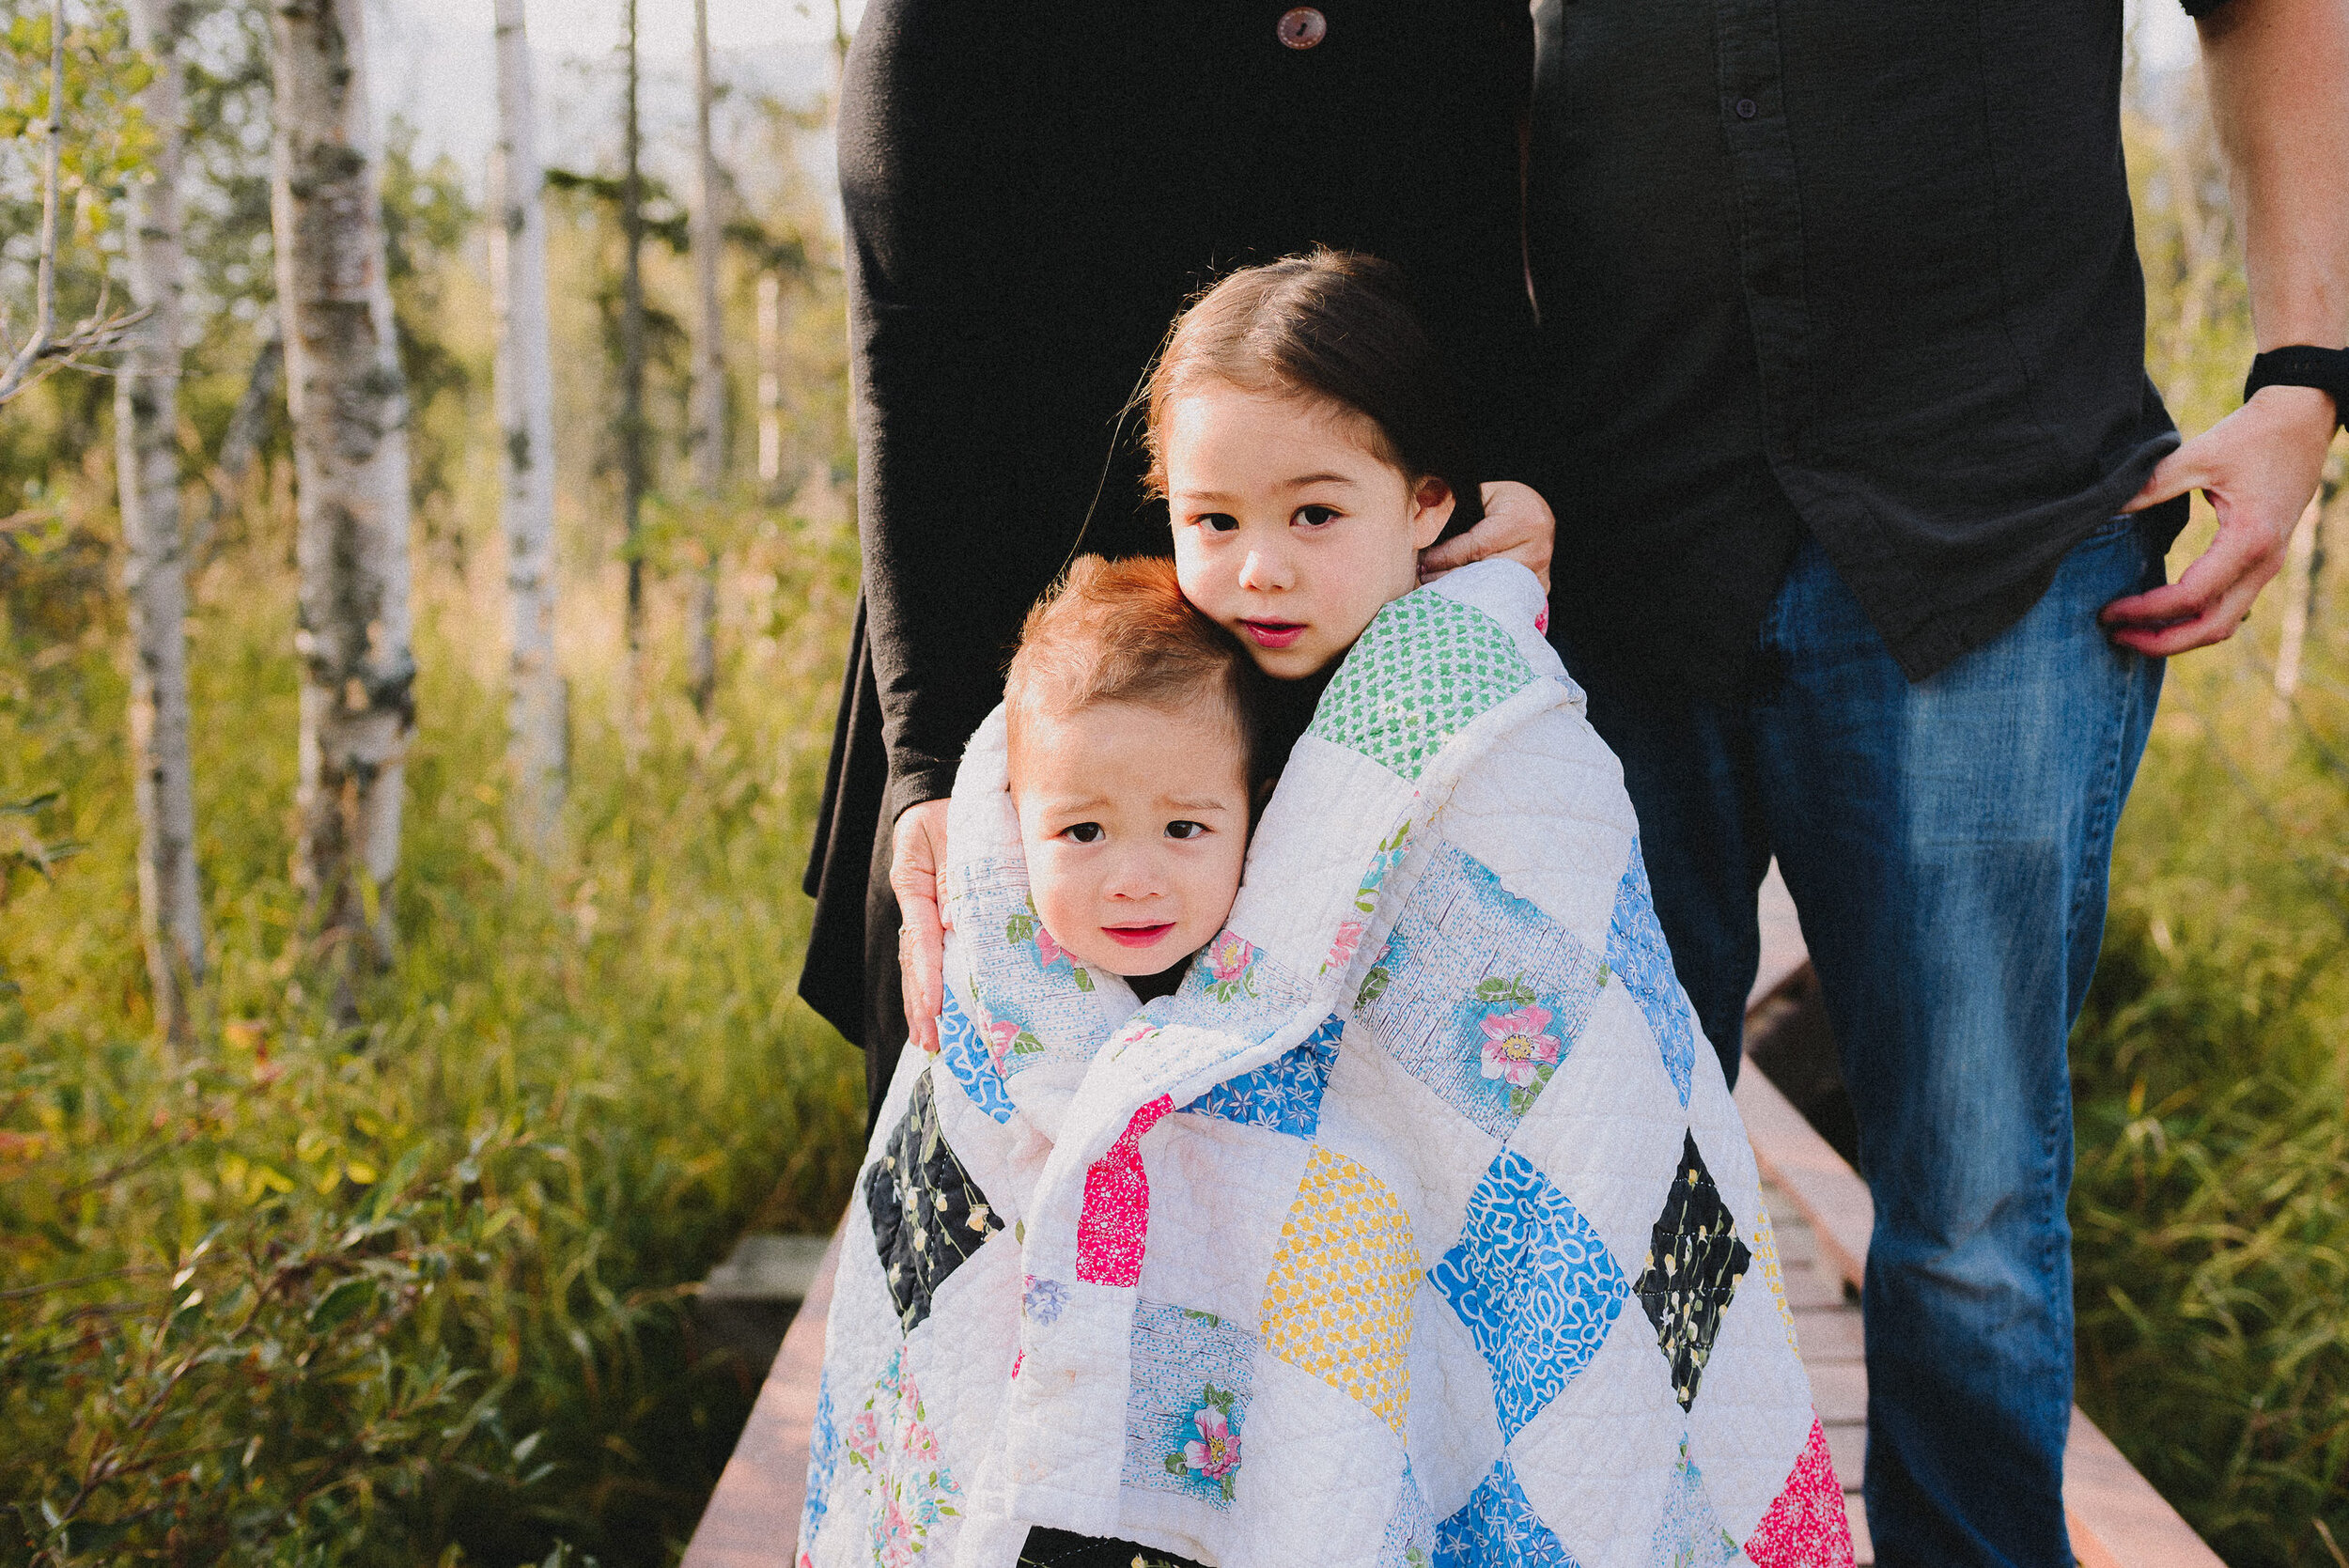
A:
(1747, 108)
(1301, 27)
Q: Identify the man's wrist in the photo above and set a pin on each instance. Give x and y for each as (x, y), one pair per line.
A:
(2312, 408)
(2303, 368)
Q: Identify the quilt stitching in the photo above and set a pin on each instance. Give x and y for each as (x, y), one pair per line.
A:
(928, 1215)
(1284, 1094)
(1498, 1525)
(1338, 1302)
(1187, 1403)
(968, 1057)
(1115, 1225)
(908, 1490)
(1534, 1284)
(1410, 1528)
(1478, 994)
(1806, 1526)
(1428, 666)
(1689, 1535)
(823, 1458)
(1694, 1267)
(1636, 950)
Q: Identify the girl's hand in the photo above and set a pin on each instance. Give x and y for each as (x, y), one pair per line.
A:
(1516, 523)
(917, 867)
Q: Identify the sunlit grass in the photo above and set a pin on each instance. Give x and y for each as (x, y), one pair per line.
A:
(579, 1082)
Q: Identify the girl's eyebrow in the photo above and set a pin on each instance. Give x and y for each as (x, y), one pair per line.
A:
(1297, 484)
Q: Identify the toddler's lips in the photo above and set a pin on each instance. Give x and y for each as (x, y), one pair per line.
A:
(1274, 634)
(1137, 936)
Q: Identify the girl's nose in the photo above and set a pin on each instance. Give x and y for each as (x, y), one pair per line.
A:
(1265, 571)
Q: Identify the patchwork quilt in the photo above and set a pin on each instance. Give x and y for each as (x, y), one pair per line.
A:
(1417, 1229)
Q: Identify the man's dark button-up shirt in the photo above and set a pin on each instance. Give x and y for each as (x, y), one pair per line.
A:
(1863, 269)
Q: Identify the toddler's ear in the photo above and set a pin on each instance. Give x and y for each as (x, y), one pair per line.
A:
(1258, 794)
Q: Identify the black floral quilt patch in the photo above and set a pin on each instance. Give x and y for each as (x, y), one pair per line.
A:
(1694, 1263)
(928, 1215)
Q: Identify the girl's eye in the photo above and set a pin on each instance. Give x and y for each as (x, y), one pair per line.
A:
(1186, 829)
(1219, 523)
(1315, 517)
(1083, 832)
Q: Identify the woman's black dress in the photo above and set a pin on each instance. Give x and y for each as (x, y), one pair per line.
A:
(1032, 190)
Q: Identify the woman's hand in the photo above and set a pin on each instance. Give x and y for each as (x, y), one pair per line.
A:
(1517, 525)
(917, 866)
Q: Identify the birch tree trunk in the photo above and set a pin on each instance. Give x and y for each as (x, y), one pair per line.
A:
(706, 437)
(155, 576)
(2299, 588)
(537, 700)
(770, 379)
(349, 402)
(632, 474)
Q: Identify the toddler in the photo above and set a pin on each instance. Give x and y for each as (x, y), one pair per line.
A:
(1131, 732)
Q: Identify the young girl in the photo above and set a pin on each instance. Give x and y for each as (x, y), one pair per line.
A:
(1299, 431)
(1417, 1227)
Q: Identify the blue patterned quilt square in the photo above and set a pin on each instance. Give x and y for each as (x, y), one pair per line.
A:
(1636, 951)
(1533, 1283)
(1285, 1093)
(1498, 1528)
(1187, 1398)
(968, 1058)
(1478, 994)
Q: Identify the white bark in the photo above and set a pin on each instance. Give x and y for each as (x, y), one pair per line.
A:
(155, 577)
(536, 699)
(2299, 587)
(707, 436)
(770, 377)
(349, 402)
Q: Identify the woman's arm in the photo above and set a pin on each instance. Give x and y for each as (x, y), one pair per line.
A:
(1517, 526)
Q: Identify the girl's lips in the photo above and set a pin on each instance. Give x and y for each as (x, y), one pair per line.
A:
(1273, 634)
(1137, 936)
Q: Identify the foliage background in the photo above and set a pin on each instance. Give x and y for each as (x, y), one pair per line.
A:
(416, 1290)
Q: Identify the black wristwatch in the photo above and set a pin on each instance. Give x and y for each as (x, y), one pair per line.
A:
(2326, 369)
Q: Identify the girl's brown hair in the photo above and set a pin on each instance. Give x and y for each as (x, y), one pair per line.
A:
(1331, 326)
(1121, 631)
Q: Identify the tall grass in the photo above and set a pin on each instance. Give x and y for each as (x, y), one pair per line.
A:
(2211, 1075)
(412, 1291)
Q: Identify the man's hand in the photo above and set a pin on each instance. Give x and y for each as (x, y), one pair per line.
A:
(1516, 523)
(2258, 466)
(917, 860)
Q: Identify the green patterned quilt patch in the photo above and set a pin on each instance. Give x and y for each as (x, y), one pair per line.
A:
(1425, 670)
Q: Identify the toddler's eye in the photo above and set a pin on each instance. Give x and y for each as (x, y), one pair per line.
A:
(1315, 517)
(1083, 832)
(1219, 523)
(1186, 829)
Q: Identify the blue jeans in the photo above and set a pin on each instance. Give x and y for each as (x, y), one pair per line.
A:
(1948, 843)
